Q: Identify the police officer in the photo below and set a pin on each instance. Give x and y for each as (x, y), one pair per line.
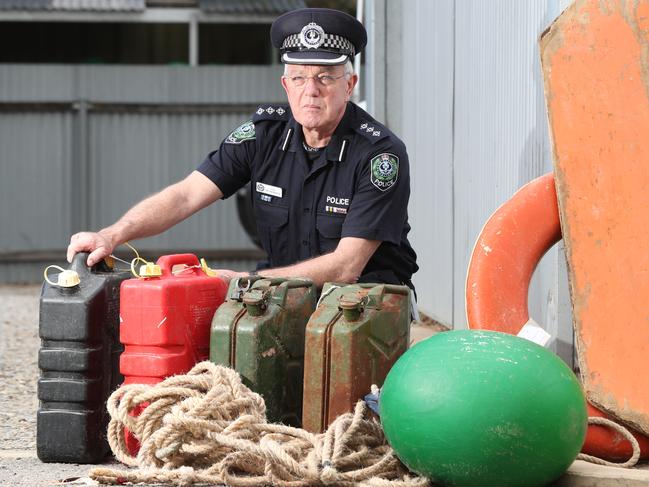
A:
(330, 185)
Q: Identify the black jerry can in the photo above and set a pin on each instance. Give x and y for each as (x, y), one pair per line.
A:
(79, 363)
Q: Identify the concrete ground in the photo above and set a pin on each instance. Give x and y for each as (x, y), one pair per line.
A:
(19, 465)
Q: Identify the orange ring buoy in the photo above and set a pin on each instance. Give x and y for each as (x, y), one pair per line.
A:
(504, 257)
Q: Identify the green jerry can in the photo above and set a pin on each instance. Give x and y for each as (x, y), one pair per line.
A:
(353, 338)
(259, 332)
(78, 361)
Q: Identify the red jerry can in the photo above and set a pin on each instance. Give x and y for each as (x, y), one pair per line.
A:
(165, 318)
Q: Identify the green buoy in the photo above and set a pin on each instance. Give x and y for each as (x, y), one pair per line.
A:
(481, 408)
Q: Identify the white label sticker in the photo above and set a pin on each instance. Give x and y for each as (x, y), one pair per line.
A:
(533, 332)
(268, 189)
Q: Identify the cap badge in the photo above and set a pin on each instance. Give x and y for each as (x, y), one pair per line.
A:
(312, 36)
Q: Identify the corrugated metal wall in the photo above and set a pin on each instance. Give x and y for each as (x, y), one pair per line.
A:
(459, 80)
(464, 89)
(427, 102)
(80, 144)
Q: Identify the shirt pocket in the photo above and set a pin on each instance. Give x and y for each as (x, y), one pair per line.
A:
(272, 227)
(329, 228)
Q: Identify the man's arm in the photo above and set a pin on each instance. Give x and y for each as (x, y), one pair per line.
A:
(344, 264)
(151, 216)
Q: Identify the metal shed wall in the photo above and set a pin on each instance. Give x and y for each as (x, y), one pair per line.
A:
(463, 87)
(80, 144)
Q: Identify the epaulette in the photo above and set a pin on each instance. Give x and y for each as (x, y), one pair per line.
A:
(371, 130)
(271, 112)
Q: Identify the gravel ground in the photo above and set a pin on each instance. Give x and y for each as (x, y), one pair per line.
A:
(18, 366)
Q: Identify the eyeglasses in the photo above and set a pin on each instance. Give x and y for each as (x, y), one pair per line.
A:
(323, 79)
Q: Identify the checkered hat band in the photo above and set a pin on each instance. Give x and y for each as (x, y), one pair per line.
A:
(331, 41)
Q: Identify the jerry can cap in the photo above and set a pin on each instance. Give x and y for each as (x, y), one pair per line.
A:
(207, 270)
(66, 278)
(150, 270)
(352, 305)
(109, 260)
(256, 301)
(350, 301)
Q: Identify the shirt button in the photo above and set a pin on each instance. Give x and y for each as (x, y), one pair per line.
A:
(306, 210)
(305, 242)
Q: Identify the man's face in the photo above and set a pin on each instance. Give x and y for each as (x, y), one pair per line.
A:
(318, 105)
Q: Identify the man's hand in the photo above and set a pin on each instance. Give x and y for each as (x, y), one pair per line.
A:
(97, 244)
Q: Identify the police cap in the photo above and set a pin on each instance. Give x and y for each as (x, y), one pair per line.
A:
(317, 36)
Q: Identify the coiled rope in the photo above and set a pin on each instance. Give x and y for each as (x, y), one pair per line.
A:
(206, 427)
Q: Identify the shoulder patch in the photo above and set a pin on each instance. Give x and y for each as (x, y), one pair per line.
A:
(242, 133)
(268, 112)
(371, 131)
(384, 170)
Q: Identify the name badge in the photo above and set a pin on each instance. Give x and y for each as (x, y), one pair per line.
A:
(268, 189)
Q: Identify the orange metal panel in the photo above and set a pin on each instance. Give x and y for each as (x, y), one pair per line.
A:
(596, 69)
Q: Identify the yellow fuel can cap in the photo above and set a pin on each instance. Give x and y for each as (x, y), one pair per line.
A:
(150, 270)
(207, 270)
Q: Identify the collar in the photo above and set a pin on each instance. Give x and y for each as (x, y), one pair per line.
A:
(338, 147)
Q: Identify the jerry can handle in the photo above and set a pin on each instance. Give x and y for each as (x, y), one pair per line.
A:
(279, 296)
(167, 263)
(79, 265)
(375, 296)
(391, 288)
(261, 281)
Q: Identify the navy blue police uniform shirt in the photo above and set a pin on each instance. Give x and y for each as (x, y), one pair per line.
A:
(358, 186)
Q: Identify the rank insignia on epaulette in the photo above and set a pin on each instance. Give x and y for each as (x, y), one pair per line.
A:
(372, 132)
(270, 113)
(242, 133)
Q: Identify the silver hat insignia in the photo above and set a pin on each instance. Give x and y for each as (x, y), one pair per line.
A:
(312, 36)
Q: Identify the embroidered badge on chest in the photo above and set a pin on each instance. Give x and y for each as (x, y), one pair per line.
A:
(384, 171)
(242, 133)
(334, 200)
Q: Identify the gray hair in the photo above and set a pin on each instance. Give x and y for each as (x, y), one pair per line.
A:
(349, 68)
